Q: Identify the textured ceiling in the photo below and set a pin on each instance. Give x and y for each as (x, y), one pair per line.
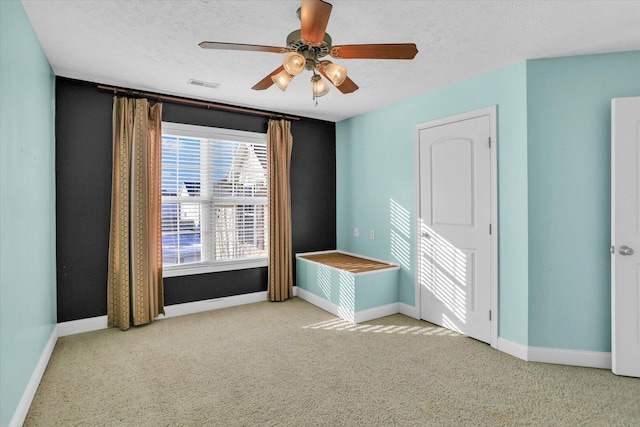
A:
(153, 45)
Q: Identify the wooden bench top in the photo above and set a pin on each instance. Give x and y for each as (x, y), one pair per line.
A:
(350, 263)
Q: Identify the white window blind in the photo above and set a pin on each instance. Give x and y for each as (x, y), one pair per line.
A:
(214, 198)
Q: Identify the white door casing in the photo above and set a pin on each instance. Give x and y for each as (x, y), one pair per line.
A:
(456, 223)
(625, 236)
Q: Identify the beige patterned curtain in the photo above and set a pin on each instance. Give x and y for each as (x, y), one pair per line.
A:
(134, 289)
(279, 144)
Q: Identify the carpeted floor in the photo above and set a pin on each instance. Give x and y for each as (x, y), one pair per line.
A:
(292, 364)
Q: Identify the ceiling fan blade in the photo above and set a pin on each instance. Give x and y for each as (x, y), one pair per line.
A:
(347, 86)
(314, 17)
(267, 82)
(375, 51)
(245, 47)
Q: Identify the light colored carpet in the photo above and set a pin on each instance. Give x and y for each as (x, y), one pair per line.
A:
(292, 364)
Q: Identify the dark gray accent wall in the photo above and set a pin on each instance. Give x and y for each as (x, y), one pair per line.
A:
(83, 198)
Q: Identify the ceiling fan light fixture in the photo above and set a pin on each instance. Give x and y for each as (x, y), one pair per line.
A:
(294, 63)
(319, 87)
(282, 79)
(305, 48)
(336, 73)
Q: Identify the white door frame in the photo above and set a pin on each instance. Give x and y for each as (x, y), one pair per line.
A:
(492, 113)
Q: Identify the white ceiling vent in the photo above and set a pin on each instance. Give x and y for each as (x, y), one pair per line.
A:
(203, 84)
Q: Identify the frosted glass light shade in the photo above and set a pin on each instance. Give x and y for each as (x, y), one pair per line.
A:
(294, 63)
(319, 87)
(282, 79)
(336, 73)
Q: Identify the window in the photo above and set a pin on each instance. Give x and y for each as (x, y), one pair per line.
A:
(214, 199)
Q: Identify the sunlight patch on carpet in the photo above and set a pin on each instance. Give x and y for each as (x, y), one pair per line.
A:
(343, 325)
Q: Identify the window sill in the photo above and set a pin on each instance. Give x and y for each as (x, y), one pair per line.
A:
(190, 269)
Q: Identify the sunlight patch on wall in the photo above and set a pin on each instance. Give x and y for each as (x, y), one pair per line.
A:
(400, 250)
(324, 281)
(347, 296)
(400, 220)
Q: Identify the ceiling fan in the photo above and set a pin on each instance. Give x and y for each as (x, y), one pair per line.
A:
(307, 46)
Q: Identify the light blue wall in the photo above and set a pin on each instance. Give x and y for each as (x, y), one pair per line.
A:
(27, 205)
(553, 189)
(375, 182)
(569, 143)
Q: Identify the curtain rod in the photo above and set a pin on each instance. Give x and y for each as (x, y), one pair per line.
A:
(197, 103)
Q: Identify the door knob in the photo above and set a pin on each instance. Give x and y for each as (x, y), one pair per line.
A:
(625, 250)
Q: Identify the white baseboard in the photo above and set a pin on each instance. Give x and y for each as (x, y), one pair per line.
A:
(32, 386)
(96, 323)
(321, 303)
(558, 356)
(513, 348)
(82, 325)
(348, 315)
(409, 310)
(590, 359)
(213, 304)
(376, 313)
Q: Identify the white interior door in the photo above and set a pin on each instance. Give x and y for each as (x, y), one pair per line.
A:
(625, 236)
(454, 249)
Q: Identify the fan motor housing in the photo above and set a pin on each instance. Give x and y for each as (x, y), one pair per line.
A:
(295, 43)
